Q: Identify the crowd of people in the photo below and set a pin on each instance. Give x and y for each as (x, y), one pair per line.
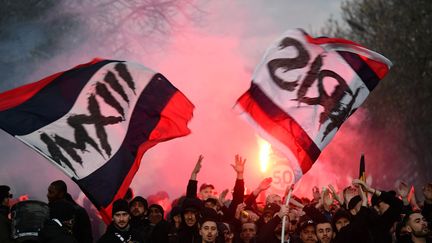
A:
(359, 213)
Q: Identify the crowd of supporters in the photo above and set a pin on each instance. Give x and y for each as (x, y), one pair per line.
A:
(359, 213)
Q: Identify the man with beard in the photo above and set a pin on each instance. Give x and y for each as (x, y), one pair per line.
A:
(119, 230)
(324, 231)
(138, 210)
(417, 228)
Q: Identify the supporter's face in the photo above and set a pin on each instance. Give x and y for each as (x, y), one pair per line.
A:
(206, 193)
(121, 219)
(228, 235)
(137, 209)
(177, 219)
(274, 198)
(417, 225)
(324, 232)
(5, 202)
(53, 194)
(307, 235)
(248, 231)
(267, 217)
(190, 218)
(342, 222)
(208, 231)
(155, 215)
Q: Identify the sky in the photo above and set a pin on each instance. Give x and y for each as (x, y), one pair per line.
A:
(210, 58)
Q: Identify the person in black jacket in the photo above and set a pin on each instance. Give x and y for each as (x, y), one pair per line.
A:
(5, 224)
(120, 230)
(82, 230)
(59, 227)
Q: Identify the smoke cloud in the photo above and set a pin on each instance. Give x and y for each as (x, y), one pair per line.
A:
(210, 57)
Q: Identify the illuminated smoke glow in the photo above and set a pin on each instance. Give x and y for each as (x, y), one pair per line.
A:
(212, 63)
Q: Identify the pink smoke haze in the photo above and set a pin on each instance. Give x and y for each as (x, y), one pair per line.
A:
(211, 62)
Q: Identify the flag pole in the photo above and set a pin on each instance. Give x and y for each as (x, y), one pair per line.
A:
(287, 199)
(362, 170)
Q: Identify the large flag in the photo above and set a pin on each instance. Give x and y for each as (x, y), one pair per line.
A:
(95, 122)
(304, 89)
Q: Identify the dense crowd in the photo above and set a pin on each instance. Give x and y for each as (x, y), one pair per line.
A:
(359, 213)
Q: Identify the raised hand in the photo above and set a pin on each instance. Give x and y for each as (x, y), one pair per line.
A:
(240, 208)
(265, 184)
(327, 199)
(402, 189)
(335, 194)
(197, 167)
(316, 194)
(238, 166)
(222, 196)
(366, 187)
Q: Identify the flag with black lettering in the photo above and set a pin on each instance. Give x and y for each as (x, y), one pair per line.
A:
(95, 122)
(304, 89)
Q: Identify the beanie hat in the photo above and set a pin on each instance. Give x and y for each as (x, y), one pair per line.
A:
(208, 214)
(353, 202)
(158, 207)
(120, 205)
(141, 200)
(61, 210)
(305, 221)
(341, 213)
(4, 192)
(192, 204)
(176, 210)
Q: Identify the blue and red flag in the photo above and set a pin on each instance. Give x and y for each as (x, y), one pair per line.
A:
(95, 122)
(304, 89)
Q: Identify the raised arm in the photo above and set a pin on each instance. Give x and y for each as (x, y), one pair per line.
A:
(191, 190)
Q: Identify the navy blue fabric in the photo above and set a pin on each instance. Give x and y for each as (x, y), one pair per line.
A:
(368, 76)
(276, 113)
(50, 103)
(103, 184)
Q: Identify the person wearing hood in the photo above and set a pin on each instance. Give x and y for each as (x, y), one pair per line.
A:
(188, 232)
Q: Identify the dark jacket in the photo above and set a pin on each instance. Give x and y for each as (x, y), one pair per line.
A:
(159, 232)
(188, 234)
(53, 232)
(114, 235)
(5, 225)
(358, 230)
(82, 229)
(141, 225)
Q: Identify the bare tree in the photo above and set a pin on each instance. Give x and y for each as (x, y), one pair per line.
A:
(402, 102)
